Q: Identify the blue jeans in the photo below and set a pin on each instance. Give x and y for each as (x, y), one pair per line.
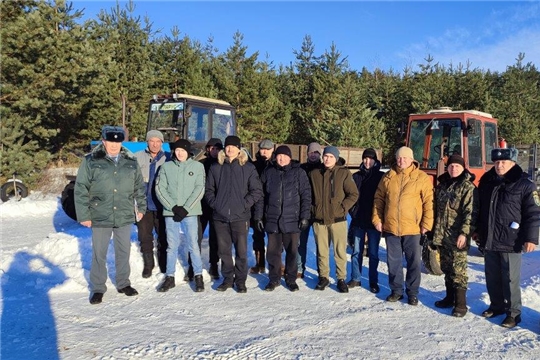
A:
(190, 228)
(374, 238)
(409, 245)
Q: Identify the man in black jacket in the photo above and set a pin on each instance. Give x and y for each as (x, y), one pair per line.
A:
(508, 223)
(213, 147)
(263, 159)
(232, 188)
(286, 207)
(366, 179)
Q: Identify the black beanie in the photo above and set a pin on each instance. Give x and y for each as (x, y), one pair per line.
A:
(233, 140)
(182, 144)
(455, 159)
(284, 150)
(214, 142)
(370, 153)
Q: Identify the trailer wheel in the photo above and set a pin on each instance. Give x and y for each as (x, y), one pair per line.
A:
(17, 192)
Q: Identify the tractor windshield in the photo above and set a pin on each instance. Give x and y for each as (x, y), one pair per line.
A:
(165, 116)
(435, 139)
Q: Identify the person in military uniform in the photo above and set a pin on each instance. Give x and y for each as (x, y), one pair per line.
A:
(508, 221)
(110, 196)
(456, 210)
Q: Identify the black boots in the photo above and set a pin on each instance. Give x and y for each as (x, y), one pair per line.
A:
(456, 298)
(167, 284)
(449, 299)
(342, 286)
(96, 298)
(259, 267)
(128, 291)
(322, 284)
(148, 259)
(199, 283)
(460, 308)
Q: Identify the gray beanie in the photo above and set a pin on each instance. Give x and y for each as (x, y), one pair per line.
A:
(331, 150)
(154, 134)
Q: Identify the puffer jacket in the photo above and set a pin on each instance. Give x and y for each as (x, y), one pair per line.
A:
(232, 188)
(456, 209)
(504, 200)
(366, 181)
(181, 183)
(404, 201)
(287, 198)
(108, 192)
(333, 194)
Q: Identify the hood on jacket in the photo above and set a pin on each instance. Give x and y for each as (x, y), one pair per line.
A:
(242, 157)
(376, 167)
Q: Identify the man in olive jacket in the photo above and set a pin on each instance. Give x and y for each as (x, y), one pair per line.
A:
(334, 193)
(109, 198)
(403, 210)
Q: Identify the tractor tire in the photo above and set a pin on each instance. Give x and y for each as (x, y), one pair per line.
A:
(7, 191)
(68, 200)
(431, 259)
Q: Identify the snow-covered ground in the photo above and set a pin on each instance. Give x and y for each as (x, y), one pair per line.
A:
(45, 260)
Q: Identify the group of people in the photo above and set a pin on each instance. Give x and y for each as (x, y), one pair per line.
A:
(281, 199)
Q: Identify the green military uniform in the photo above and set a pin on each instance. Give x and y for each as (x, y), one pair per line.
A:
(456, 210)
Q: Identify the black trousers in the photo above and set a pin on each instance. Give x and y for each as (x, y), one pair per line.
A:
(229, 234)
(153, 220)
(212, 239)
(276, 243)
(258, 238)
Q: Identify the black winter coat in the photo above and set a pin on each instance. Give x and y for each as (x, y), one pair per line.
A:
(287, 198)
(504, 200)
(366, 181)
(232, 188)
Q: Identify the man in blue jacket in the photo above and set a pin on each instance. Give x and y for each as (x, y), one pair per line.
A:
(508, 221)
(109, 198)
(232, 188)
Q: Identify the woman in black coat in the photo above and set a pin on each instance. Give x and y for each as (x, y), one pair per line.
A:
(286, 209)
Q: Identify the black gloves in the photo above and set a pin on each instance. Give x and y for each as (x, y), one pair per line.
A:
(179, 213)
(260, 225)
(303, 224)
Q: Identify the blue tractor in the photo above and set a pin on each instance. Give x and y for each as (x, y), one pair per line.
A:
(177, 116)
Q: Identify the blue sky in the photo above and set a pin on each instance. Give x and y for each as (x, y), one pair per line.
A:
(378, 34)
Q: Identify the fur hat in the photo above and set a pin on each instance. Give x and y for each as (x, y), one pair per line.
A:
(369, 153)
(233, 140)
(154, 134)
(504, 154)
(214, 142)
(405, 152)
(332, 150)
(181, 144)
(455, 159)
(284, 150)
(266, 144)
(314, 147)
(113, 133)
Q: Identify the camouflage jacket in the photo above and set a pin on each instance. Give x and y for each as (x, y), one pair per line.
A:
(456, 209)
